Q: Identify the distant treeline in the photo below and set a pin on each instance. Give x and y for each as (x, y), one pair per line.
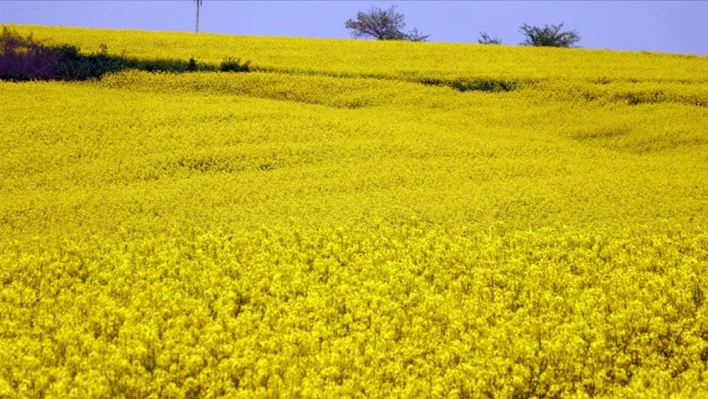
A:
(24, 58)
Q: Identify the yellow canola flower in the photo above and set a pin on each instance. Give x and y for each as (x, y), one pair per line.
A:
(545, 312)
(355, 224)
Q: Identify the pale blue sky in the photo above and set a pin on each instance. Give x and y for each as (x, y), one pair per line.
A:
(667, 26)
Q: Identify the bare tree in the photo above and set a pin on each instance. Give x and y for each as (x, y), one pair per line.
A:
(549, 36)
(199, 3)
(382, 24)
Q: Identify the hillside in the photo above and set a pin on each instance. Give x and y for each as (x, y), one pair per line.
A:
(355, 218)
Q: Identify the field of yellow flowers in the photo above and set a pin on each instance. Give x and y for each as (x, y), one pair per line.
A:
(355, 219)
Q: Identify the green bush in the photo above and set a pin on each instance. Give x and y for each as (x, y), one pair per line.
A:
(74, 66)
(479, 84)
(234, 65)
(192, 66)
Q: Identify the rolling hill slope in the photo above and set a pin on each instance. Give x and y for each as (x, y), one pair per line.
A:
(355, 218)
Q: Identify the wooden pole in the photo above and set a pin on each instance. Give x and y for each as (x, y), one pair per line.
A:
(197, 30)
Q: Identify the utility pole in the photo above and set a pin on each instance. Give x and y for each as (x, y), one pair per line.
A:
(199, 3)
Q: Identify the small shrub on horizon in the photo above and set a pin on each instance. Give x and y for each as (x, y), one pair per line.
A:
(549, 36)
(486, 39)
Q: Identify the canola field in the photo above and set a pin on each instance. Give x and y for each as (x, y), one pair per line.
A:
(355, 219)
